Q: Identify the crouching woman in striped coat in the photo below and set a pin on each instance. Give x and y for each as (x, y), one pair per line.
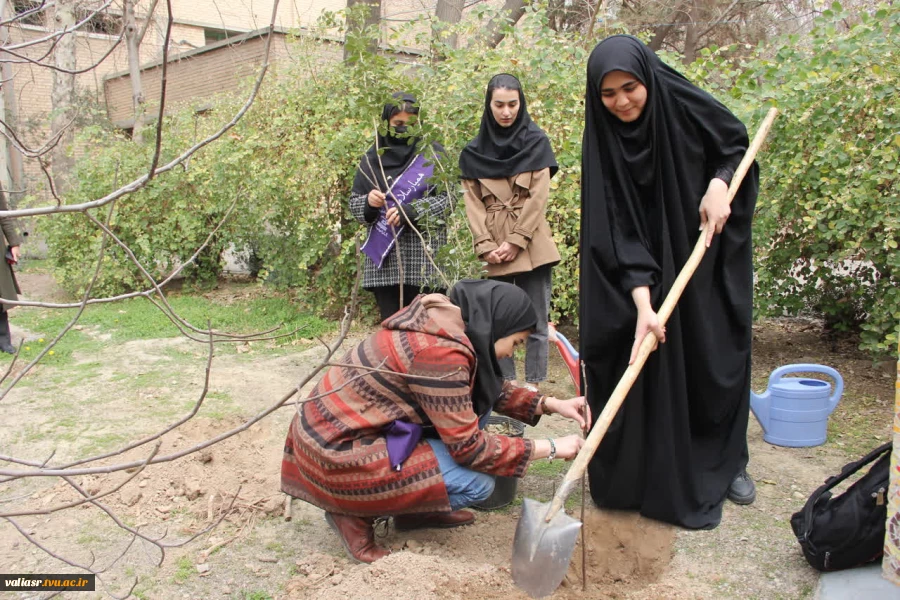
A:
(404, 440)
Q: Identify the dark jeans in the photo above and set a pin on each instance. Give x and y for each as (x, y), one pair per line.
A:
(536, 284)
(388, 297)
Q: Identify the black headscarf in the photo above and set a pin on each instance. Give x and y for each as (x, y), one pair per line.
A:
(637, 171)
(491, 310)
(499, 152)
(399, 149)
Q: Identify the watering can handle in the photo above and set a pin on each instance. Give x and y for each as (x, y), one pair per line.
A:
(579, 465)
(780, 372)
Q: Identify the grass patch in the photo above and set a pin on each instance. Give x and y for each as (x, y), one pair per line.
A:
(184, 569)
(549, 469)
(276, 547)
(256, 595)
(86, 538)
(103, 324)
(219, 405)
(142, 589)
(101, 443)
(859, 424)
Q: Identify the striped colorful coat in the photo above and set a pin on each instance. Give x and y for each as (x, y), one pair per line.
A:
(335, 455)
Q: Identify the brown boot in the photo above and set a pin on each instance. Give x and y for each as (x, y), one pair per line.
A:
(358, 537)
(440, 520)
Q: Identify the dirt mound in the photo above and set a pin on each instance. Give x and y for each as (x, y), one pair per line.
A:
(624, 550)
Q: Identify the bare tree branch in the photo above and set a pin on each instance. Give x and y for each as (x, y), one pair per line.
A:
(150, 11)
(146, 293)
(10, 134)
(62, 32)
(162, 91)
(38, 61)
(89, 498)
(89, 568)
(142, 181)
(19, 17)
(60, 471)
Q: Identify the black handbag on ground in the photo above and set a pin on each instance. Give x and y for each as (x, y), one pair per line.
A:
(844, 531)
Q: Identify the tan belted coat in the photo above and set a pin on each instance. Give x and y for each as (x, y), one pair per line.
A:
(511, 210)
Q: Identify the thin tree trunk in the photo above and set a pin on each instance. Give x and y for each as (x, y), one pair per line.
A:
(691, 36)
(372, 19)
(512, 11)
(449, 12)
(134, 69)
(62, 94)
(660, 33)
(659, 36)
(11, 116)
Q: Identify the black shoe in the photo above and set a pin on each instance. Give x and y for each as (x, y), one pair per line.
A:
(742, 490)
(7, 347)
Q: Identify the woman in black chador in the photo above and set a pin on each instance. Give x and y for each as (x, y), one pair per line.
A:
(658, 156)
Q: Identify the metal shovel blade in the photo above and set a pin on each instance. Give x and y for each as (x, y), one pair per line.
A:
(542, 551)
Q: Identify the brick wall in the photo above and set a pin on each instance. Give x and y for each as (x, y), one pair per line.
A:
(197, 73)
(196, 76)
(33, 84)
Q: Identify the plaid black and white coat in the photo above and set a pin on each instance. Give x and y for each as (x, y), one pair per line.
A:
(430, 214)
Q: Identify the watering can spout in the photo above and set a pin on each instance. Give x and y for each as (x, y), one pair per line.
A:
(760, 404)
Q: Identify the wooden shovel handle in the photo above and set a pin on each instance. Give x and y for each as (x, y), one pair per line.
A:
(579, 465)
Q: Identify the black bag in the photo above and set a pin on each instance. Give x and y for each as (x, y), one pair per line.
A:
(848, 530)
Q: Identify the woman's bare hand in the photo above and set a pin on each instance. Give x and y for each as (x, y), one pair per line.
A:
(393, 216)
(647, 322)
(576, 409)
(714, 208)
(376, 199)
(567, 447)
(507, 252)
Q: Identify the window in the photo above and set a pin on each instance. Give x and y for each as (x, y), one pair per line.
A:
(101, 22)
(31, 9)
(36, 12)
(213, 36)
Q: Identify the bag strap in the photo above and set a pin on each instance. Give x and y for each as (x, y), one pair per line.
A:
(851, 468)
(848, 470)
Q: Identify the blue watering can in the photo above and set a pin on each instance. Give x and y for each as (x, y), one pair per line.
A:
(794, 411)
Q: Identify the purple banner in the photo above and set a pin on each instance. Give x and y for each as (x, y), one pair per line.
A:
(410, 185)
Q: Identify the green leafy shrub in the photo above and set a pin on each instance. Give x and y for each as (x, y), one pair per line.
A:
(828, 195)
(827, 220)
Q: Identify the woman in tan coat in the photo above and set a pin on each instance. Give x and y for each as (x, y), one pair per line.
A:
(506, 173)
(9, 288)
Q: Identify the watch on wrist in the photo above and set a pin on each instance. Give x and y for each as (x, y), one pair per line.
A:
(552, 449)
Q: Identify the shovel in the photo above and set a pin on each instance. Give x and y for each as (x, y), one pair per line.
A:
(545, 535)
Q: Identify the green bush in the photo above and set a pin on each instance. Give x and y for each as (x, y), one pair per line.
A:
(829, 169)
(163, 223)
(827, 220)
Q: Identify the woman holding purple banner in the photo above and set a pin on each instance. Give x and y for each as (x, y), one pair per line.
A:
(506, 173)
(397, 169)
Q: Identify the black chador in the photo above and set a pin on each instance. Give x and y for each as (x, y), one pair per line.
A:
(680, 436)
